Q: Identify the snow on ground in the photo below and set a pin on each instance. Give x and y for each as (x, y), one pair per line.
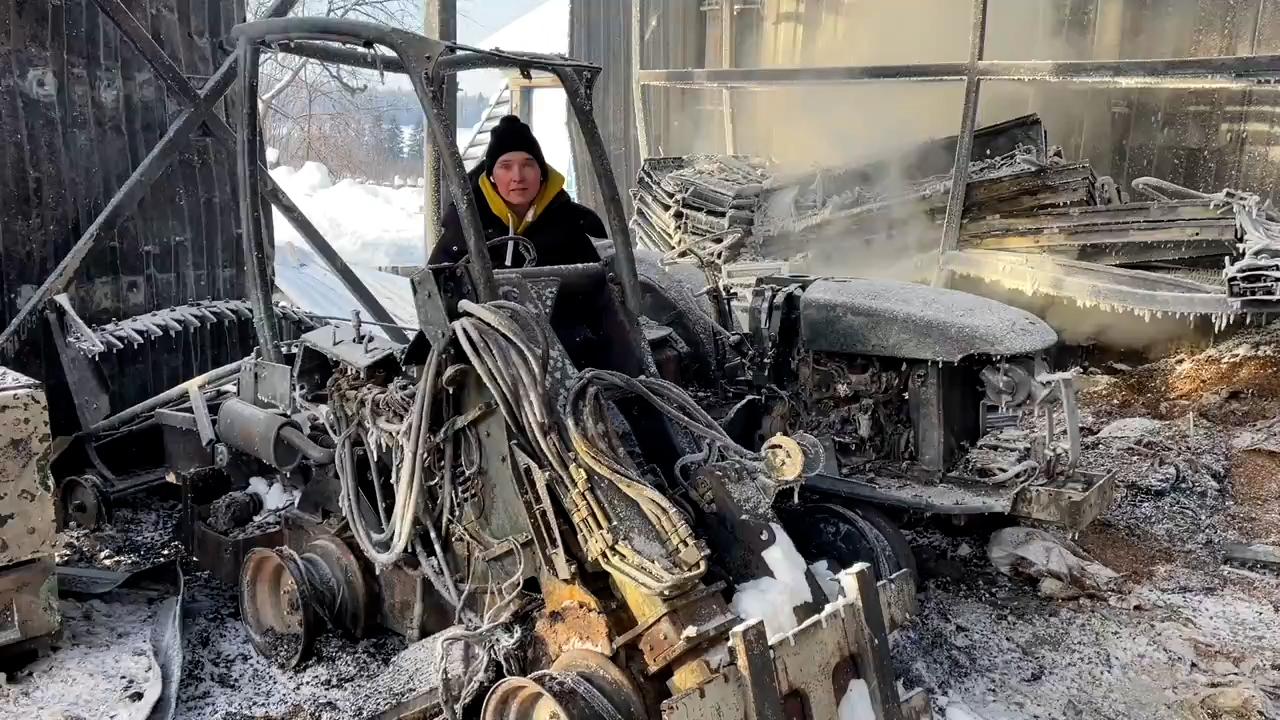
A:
(368, 225)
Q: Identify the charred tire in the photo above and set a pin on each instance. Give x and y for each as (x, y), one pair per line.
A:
(849, 535)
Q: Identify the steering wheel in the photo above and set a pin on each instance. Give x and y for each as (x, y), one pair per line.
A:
(516, 247)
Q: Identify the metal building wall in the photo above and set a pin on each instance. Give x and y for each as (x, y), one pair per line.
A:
(79, 109)
(1206, 139)
(600, 32)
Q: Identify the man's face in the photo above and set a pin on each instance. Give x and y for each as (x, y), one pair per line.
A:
(517, 177)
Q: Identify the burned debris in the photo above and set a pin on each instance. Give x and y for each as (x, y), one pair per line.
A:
(1033, 221)
(586, 491)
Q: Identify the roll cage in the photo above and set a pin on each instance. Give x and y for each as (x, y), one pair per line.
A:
(428, 63)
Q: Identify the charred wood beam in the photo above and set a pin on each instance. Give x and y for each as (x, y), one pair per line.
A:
(1265, 555)
(964, 143)
(1245, 71)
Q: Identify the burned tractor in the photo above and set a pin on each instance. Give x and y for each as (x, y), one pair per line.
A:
(604, 490)
(923, 399)
(516, 482)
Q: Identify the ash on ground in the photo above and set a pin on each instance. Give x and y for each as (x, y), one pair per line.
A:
(224, 678)
(142, 533)
(99, 668)
(1192, 638)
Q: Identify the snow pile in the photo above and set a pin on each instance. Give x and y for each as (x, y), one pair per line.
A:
(856, 703)
(275, 496)
(774, 599)
(367, 224)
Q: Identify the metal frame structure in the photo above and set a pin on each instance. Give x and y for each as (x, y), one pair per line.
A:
(429, 64)
(1243, 71)
(200, 111)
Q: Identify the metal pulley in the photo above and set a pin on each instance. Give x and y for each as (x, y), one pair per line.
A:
(788, 459)
(1006, 385)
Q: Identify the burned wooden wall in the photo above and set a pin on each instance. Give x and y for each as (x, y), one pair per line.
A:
(79, 109)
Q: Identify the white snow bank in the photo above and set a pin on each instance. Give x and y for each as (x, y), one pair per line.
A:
(545, 29)
(367, 224)
(774, 599)
(307, 283)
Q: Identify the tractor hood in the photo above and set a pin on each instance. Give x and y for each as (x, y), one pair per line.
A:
(916, 322)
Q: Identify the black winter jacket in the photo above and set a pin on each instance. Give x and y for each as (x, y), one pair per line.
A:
(561, 230)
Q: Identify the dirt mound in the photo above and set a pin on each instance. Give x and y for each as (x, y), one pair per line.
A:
(1232, 384)
(1255, 487)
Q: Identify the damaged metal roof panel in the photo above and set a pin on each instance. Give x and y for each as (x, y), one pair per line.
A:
(900, 319)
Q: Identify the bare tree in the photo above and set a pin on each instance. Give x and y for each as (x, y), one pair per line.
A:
(317, 111)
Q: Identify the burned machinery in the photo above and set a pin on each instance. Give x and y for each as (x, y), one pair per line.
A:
(923, 399)
(29, 612)
(519, 476)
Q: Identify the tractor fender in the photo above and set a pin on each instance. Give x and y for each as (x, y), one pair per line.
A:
(905, 320)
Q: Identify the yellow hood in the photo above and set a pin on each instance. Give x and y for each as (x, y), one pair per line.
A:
(552, 185)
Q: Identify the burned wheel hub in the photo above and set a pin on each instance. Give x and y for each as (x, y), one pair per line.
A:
(286, 597)
(275, 606)
(582, 685)
(847, 536)
(86, 502)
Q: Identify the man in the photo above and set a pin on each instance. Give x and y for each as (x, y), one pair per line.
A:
(519, 194)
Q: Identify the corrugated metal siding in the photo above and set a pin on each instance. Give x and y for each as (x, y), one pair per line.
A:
(600, 32)
(79, 109)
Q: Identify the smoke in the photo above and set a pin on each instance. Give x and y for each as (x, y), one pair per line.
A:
(840, 125)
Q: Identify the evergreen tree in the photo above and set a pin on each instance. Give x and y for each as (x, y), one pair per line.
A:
(413, 142)
(392, 139)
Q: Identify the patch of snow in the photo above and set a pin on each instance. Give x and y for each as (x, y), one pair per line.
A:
(368, 225)
(856, 703)
(826, 579)
(959, 711)
(273, 156)
(774, 599)
(312, 178)
(275, 495)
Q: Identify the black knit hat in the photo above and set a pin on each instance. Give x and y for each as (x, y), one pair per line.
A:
(512, 135)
